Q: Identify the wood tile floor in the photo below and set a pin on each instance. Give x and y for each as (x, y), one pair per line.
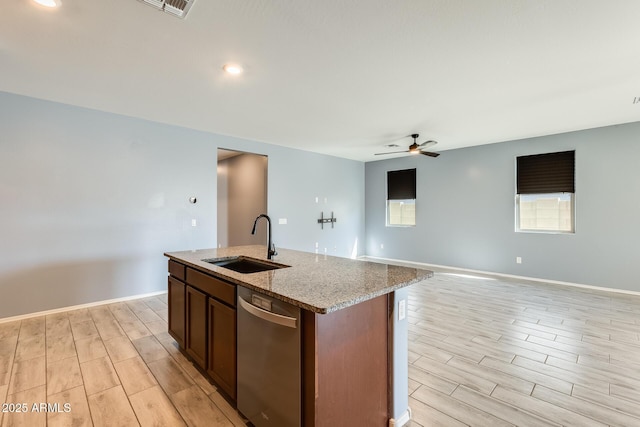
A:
(481, 353)
(503, 352)
(113, 365)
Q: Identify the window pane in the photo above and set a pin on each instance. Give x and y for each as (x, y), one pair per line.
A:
(546, 212)
(401, 212)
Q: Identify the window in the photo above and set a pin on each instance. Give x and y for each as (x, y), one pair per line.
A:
(401, 198)
(545, 192)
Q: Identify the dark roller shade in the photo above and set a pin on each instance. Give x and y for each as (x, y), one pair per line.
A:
(401, 185)
(546, 173)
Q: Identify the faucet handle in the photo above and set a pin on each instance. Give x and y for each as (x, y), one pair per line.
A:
(272, 250)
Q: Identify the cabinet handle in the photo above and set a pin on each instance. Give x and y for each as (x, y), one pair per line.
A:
(289, 322)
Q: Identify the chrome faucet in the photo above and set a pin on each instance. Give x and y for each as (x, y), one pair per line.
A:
(271, 248)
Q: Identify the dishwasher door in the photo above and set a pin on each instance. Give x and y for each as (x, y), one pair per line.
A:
(269, 366)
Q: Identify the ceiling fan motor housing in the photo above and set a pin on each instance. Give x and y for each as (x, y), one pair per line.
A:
(415, 147)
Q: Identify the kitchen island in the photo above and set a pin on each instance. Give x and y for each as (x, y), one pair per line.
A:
(353, 342)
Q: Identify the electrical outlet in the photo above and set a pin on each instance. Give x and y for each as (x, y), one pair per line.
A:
(381, 245)
(194, 223)
(518, 260)
(402, 309)
(282, 221)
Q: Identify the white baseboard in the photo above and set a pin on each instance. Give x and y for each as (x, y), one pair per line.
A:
(77, 307)
(403, 420)
(511, 276)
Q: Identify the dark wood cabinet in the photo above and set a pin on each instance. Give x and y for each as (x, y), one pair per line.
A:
(177, 270)
(220, 290)
(196, 331)
(221, 364)
(202, 320)
(177, 326)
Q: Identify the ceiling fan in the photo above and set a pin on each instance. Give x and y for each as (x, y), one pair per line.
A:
(416, 148)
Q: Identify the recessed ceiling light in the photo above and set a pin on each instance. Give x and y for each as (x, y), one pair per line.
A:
(49, 3)
(232, 69)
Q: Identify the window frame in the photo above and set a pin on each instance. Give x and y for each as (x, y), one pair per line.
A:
(388, 213)
(398, 190)
(518, 229)
(561, 184)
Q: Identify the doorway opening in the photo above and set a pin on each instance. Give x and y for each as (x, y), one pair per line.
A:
(242, 196)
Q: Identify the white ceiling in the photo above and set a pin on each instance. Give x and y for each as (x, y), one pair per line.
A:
(336, 76)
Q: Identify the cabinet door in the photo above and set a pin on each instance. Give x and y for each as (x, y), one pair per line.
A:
(222, 346)
(176, 310)
(196, 344)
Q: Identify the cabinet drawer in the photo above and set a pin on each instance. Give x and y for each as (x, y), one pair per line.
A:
(223, 291)
(177, 270)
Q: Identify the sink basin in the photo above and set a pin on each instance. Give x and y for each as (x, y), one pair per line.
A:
(245, 265)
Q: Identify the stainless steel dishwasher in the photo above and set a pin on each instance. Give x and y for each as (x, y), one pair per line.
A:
(269, 366)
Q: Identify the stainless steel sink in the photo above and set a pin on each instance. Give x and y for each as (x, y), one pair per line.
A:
(245, 265)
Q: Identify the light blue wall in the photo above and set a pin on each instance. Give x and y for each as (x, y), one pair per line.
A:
(89, 202)
(466, 210)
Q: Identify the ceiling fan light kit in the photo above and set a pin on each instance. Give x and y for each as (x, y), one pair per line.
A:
(415, 148)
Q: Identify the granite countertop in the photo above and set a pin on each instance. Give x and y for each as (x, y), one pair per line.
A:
(314, 282)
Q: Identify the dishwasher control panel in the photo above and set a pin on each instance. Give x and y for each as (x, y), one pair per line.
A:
(263, 303)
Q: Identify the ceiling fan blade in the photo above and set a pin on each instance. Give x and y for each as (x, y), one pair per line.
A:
(430, 154)
(428, 144)
(391, 152)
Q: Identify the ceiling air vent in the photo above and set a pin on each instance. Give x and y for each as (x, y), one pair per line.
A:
(177, 8)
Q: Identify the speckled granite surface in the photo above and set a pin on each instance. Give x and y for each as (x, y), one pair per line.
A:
(318, 283)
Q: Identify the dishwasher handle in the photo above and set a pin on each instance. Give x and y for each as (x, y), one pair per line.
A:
(289, 322)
